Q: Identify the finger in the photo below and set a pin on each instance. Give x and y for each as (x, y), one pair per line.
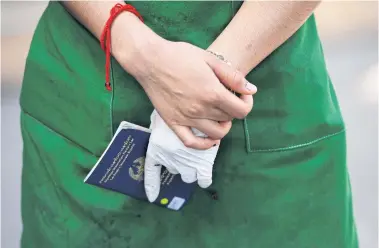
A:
(189, 139)
(204, 176)
(172, 170)
(217, 114)
(212, 129)
(248, 99)
(188, 174)
(153, 118)
(231, 78)
(152, 178)
(237, 107)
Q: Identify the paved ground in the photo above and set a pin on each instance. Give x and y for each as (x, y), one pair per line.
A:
(350, 35)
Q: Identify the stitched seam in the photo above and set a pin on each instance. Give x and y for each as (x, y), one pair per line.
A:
(112, 98)
(247, 136)
(249, 150)
(48, 172)
(58, 133)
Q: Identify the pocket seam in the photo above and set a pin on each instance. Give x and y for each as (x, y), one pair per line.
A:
(292, 147)
(58, 133)
(112, 98)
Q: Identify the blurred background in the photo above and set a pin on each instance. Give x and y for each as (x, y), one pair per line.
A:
(349, 33)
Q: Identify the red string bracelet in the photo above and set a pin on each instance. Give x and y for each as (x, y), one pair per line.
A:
(105, 38)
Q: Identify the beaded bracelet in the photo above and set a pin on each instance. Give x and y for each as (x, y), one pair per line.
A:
(220, 57)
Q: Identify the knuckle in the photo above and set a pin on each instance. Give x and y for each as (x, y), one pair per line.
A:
(235, 79)
(246, 111)
(214, 96)
(238, 77)
(221, 133)
(194, 110)
(228, 127)
(211, 93)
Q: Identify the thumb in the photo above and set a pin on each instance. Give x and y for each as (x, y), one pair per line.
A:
(230, 77)
(152, 178)
(153, 119)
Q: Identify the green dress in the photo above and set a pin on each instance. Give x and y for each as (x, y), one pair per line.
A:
(280, 175)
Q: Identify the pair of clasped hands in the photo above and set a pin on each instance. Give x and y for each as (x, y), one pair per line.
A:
(191, 90)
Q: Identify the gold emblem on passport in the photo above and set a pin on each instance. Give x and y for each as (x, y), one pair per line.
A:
(136, 170)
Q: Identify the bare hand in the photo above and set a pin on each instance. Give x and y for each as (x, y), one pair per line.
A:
(189, 88)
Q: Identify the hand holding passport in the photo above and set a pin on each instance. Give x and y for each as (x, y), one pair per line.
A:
(121, 167)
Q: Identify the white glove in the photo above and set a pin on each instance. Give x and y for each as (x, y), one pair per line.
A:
(166, 149)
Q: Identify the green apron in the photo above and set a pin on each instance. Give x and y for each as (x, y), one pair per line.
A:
(280, 175)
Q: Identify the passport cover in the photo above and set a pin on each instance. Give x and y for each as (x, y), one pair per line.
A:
(121, 168)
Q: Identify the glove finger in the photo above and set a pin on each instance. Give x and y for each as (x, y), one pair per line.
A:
(187, 174)
(152, 179)
(164, 158)
(153, 117)
(172, 170)
(204, 176)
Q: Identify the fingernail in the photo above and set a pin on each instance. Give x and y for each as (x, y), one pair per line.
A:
(250, 86)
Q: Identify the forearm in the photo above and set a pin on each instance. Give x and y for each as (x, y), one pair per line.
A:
(258, 28)
(129, 36)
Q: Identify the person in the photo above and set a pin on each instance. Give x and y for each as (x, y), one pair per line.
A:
(280, 177)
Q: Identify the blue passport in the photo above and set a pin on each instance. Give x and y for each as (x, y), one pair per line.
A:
(121, 169)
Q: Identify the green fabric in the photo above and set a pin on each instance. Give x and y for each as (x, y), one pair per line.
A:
(280, 175)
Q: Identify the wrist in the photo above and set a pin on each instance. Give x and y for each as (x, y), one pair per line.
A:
(132, 41)
(219, 56)
(228, 54)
